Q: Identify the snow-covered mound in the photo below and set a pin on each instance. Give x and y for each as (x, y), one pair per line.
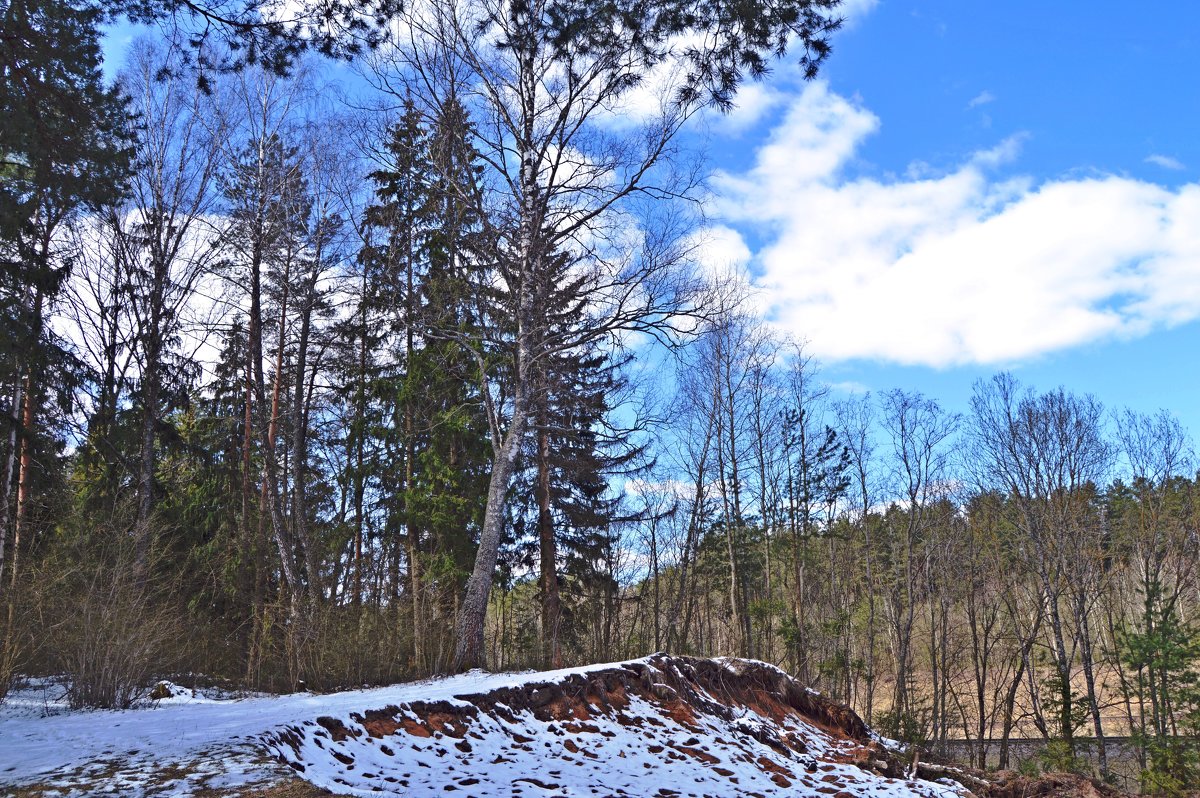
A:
(660, 726)
(663, 726)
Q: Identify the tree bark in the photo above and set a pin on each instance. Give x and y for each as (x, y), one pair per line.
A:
(25, 467)
(151, 388)
(469, 649)
(300, 426)
(10, 461)
(548, 550)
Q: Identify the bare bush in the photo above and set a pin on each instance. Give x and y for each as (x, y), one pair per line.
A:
(114, 629)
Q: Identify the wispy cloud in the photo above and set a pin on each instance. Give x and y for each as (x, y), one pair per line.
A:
(1166, 162)
(849, 387)
(964, 266)
(854, 10)
(983, 98)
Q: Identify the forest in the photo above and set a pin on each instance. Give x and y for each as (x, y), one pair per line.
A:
(305, 388)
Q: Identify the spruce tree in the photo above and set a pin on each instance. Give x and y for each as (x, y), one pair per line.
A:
(417, 268)
(575, 459)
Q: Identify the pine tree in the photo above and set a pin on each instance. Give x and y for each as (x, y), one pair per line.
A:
(62, 149)
(269, 208)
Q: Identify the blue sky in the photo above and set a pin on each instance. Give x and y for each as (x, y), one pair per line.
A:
(976, 186)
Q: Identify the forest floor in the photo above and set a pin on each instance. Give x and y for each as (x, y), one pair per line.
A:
(661, 726)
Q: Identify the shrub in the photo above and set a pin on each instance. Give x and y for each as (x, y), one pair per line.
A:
(115, 629)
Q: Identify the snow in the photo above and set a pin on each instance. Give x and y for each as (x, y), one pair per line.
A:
(41, 740)
(192, 741)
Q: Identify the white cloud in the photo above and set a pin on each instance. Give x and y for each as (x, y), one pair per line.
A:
(720, 249)
(959, 267)
(854, 10)
(983, 98)
(852, 387)
(1166, 162)
(754, 100)
(1005, 152)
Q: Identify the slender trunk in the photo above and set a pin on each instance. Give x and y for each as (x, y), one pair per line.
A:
(935, 673)
(255, 398)
(360, 434)
(253, 572)
(25, 469)
(411, 526)
(414, 533)
(655, 575)
(1085, 642)
(469, 649)
(25, 465)
(1063, 666)
(868, 561)
(735, 525)
(151, 388)
(247, 448)
(551, 605)
(274, 502)
(300, 425)
(980, 650)
(1010, 696)
(677, 632)
(10, 461)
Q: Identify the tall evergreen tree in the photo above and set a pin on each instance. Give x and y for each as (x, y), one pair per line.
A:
(63, 148)
(576, 457)
(269, 209)
(541, 75)
(418, 263)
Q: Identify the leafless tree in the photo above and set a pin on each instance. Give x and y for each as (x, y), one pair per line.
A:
(560, 181)
(1046, 452)
(855, 425)
(165, 235)
(918, 473)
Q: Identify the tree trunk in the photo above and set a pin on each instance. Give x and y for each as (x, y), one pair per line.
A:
(150, 394)
(10, 461)
(1085, 644)
(25, 466)
(551, 604)
(411, 526)
(469, 648)
(272, 489)
(300, 428)
(413, 531)
(152, 376)
(359, 435)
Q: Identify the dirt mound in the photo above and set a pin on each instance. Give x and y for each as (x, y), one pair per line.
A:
(663, 726)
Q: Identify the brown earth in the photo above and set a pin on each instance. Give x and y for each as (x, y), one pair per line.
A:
(681, 688)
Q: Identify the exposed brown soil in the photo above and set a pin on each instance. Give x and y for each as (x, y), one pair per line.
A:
(681, 690)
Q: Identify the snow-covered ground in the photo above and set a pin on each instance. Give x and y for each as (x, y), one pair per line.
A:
(403, 740)
(144, 751)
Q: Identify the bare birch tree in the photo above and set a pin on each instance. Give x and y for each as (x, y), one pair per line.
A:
(545, 84)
